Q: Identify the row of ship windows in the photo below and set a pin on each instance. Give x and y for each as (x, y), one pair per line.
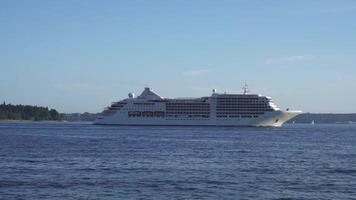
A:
(196, 116)
(187, 106)
(188, 113)
(174, 116)
(205, 106)
(240, 113)
(242, 106)
(243, 110)
(121, 103)
(131, 108)
(117, 106)
(240, 97)
(242, 103)
(144, 103)
(162, 114)
(146, 114)
(187, 110)
(114, 108)
(180, 106)
(144, 108)
(237, 116)
(186, 102)
(186, 118)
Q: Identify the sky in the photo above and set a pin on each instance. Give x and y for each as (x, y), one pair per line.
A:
(79, 56)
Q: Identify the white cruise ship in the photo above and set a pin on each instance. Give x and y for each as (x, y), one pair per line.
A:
(219, 109)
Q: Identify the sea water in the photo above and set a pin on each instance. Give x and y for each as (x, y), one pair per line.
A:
(42, 160)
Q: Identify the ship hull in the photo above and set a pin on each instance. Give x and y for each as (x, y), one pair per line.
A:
(269, 119)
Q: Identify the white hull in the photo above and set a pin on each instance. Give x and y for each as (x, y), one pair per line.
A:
(271, 119)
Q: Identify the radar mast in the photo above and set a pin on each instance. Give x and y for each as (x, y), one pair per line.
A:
(245, 89)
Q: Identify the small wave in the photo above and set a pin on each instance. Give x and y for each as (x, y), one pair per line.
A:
(12, 183)
(87, 169)
(185, 188)
(29, 160)
(343, 171)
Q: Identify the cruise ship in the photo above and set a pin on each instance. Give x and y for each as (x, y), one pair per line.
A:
(218, 109)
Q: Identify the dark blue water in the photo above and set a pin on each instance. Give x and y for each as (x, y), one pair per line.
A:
(83, 161)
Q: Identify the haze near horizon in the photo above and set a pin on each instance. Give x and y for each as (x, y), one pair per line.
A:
(78, 56)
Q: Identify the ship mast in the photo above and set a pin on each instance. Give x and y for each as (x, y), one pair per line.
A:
(245, 89)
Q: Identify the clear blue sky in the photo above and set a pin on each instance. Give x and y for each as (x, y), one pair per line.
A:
(79, 56)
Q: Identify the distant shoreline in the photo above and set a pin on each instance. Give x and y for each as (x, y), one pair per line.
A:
(28, 112)
(44, 121)
(325, 118)
(91, 122)
(305, 118)
(19, 113)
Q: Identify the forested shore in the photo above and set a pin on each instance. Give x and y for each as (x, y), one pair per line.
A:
(28, 112)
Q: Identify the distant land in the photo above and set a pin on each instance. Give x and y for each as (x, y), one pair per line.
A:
(325, 118)
(77, 117)
(27, 112)
(39, 113)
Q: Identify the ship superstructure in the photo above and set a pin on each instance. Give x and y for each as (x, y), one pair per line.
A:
(219, 109)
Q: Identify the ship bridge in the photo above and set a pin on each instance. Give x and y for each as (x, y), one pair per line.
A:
(148, 94)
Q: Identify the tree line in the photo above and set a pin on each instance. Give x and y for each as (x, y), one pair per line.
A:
(27, 112)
